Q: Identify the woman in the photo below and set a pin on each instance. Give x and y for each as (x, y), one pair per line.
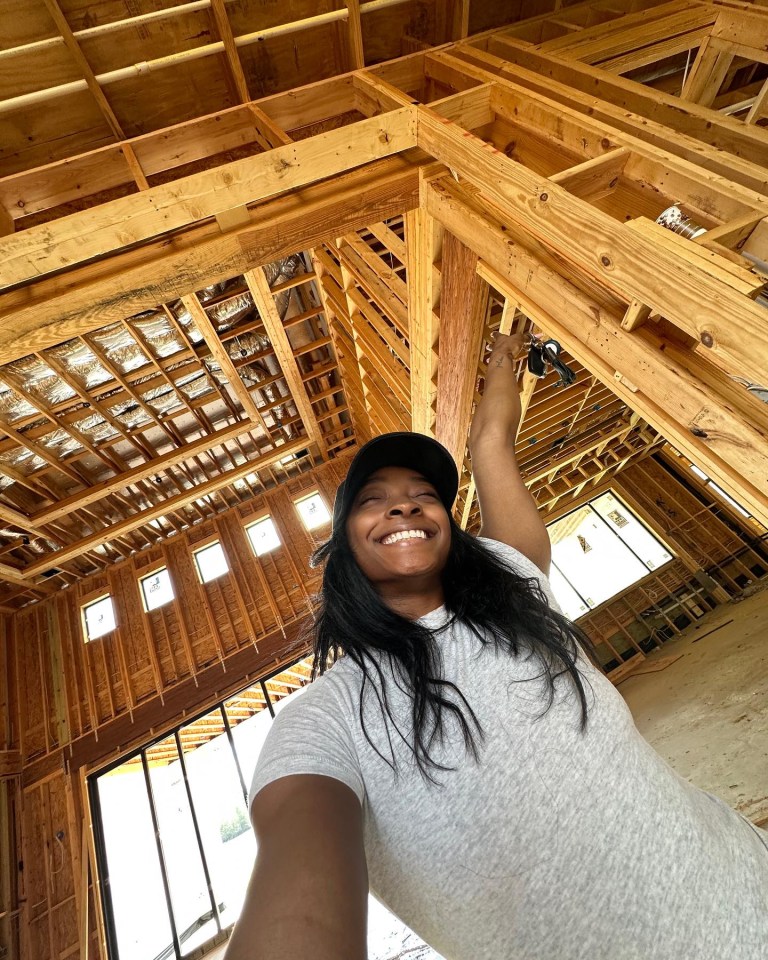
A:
(465, 759)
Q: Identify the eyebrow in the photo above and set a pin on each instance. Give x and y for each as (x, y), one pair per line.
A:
(418, 477)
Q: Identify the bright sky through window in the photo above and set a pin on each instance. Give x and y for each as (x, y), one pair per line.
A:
(263, 536)
(211, 562)
(99, 618)
(313, 511)
(719, 491)
(157, 589)
(598, 550)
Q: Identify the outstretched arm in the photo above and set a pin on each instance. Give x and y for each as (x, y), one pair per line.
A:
(308, 895)
(507, 510)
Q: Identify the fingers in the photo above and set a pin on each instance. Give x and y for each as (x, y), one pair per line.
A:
(511, 344)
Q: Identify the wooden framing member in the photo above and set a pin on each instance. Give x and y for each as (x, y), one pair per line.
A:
(632, 266)
(278, 337)
(677, 403)
(463, 312)
(56, 309)
(83, 236)
(424, 243)
(167, 506)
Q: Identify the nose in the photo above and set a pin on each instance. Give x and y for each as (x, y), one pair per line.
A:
(404, 508)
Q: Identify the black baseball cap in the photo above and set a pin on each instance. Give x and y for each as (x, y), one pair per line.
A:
(414, 450)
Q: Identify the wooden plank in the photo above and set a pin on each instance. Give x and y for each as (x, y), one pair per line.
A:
(354, 35)
(221, 356)
(167, 506)
(633, 267)
(230, 50)
(594, 177)
(150, 468)
(265, 304)
(423, 247)
(92, 233)
(707, 74)
(463, 310)
(84, 67)
(730, 447)
(10, 764)
(759, 106)
(59, 309)
(628, 105)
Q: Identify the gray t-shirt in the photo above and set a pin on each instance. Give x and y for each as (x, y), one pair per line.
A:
(557, 844)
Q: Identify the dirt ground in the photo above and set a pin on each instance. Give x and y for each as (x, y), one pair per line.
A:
(707, 712)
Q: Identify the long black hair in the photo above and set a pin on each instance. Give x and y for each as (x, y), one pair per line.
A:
(500, 606)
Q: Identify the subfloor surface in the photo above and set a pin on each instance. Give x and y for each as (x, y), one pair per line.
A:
(707, 712)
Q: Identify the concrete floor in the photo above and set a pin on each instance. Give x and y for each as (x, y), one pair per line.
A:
(707, 713)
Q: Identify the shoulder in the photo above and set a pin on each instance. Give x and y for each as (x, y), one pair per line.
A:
(520, 564)
(313, 734)
(512, 557)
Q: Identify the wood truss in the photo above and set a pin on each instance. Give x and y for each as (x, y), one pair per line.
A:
(194, 314)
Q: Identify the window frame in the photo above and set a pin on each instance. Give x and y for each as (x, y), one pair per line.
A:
(153, 572)
(636, 516)
(255, 522)
(315, 492)
(206, 544)
(160, 734)
(94, 598)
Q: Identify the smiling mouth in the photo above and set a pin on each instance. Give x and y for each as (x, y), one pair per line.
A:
(403, 535)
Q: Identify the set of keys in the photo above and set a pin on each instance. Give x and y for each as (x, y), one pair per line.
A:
(544, 354)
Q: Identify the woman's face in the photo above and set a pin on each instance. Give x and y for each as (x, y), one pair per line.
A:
(400, 535)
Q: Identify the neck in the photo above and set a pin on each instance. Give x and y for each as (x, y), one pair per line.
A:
(412, 606)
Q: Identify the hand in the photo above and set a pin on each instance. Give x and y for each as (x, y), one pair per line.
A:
(506, 345)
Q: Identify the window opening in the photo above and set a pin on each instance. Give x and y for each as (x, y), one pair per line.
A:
(720, 492)
(98, 618)
(156, 589)
(211, 562)
(263, 536)
(598, 550)
(313, 511)
(173, 835)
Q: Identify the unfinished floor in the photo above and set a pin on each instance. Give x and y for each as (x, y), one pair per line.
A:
(707, 712)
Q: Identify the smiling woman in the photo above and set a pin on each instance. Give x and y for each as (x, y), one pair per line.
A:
(400, 535)
(453, 754)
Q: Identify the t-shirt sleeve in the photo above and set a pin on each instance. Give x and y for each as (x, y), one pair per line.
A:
(522, 565)
(310, 735)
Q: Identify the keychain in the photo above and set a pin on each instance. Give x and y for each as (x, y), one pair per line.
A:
(548, 353)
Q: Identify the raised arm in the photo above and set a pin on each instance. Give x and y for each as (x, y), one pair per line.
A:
(308, 895)
(508, 512)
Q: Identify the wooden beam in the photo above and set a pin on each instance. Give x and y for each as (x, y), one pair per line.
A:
(60, 308)
(93, 233)
(632, 266)
(731, 447)
(220, 354)
(84, 67)
(355, 35)
(167, 506)
(148, 469)
(463, 312)
(423, 248)
(230, 50)
(683, 128)
(278, 338)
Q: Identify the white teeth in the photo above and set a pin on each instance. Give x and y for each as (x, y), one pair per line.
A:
(405, 535)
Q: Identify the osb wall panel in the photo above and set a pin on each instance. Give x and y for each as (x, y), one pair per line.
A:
(681, 518)
(71, 688)
(49, 874)
(56, 690)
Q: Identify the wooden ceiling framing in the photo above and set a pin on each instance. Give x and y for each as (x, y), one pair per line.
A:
(204, 293)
